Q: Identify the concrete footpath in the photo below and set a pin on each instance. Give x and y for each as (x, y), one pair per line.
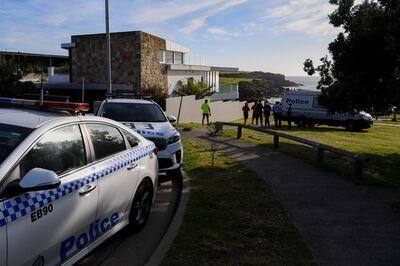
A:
(342, 223)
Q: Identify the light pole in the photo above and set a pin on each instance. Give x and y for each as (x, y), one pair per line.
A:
(109, 84)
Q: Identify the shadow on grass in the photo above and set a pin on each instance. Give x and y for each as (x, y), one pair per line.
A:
(233, 218)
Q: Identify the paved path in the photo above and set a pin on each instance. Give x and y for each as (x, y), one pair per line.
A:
(342, 223)
(126, 248)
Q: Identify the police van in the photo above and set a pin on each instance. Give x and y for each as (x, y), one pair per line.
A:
(68, 181)
(306, 111)
(148, 119)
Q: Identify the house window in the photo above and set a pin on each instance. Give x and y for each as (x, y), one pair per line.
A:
(178, 58)
(162, 56)
(169, 57)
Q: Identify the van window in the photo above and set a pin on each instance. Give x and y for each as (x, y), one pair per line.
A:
(316, 103)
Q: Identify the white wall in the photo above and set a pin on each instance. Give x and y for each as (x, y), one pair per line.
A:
(191, 109)
(209, 77)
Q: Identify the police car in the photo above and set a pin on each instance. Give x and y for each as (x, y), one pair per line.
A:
(148, 119)
(68, 182)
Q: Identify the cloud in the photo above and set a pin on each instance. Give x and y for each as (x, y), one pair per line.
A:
(222, 32)
(303, 16)
(199, 22)
(157, 12)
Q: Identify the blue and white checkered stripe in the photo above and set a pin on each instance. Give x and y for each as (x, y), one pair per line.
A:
(325, 116)
(19, 206)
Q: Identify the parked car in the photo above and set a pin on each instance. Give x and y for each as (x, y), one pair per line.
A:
(306, 110)
(148, 119)
(68, 182)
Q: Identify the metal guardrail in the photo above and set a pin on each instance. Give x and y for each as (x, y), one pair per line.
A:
(359, 159)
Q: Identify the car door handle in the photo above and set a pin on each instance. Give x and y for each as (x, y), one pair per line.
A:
(87, 189)
(132, 166)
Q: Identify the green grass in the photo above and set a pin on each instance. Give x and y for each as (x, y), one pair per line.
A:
(232, 217)
(232, 81)
(380, 143)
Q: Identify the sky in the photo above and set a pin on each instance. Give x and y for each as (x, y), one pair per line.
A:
(268, 35)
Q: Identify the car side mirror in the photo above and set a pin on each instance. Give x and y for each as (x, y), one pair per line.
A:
(39, 179)
(35, 180)
(171, 118)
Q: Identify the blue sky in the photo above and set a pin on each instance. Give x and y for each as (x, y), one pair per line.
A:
(267, 35)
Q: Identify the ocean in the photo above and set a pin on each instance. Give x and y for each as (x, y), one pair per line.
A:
(308, 82)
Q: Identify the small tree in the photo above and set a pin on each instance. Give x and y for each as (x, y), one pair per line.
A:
(213, 144)
(200, 89)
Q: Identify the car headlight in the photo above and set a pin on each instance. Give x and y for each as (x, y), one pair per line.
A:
(366, 116)
(174, 138)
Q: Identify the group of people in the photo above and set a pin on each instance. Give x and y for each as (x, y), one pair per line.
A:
(260, 113)
(259, 110)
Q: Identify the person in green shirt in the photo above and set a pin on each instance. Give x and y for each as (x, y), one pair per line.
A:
(206, 112)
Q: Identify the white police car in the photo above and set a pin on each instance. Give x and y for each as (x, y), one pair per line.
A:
(148, 119)
(68, 182)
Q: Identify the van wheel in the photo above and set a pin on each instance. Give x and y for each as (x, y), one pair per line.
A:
(350, 126)
(311, 124)
(301, 122)
(141, 206)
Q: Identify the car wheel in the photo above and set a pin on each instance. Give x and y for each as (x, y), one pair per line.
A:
(311, 124)
(174, 174)
(141, 206)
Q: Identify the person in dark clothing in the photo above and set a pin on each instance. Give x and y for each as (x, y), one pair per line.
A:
(259, 113)
(267, 113)
(246, 110)
(289, 115)
(254, 113)
(277, 109)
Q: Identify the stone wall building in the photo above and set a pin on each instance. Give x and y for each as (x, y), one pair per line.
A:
(135, 59)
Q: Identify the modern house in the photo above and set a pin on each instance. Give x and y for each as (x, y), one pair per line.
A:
(139, 60)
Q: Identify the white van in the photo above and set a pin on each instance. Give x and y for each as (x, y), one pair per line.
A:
(307, 111)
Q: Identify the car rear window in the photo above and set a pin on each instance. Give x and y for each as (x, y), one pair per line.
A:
(10, 138)
(133, 112)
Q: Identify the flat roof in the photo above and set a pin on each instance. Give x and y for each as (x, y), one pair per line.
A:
(33, 54)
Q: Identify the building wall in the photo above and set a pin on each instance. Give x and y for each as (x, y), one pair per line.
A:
(88, 58)
(134, 59)
(176, 75)
(153, 73)
(191, 110)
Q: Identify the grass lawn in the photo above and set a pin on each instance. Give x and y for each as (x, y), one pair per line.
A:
(380, 143)
(232, 81)
(232, 217)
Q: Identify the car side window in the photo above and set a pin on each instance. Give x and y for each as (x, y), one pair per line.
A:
(60, 151)
(132, 140)
(106, 140)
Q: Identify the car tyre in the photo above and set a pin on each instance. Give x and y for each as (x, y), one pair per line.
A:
(302, 122)
(141, 206)
(174, 174)
(350, 126)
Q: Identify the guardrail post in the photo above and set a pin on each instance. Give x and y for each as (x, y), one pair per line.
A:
(276, 141)
(358, 167)
(218, 127)
(239, 132)
(320, 154)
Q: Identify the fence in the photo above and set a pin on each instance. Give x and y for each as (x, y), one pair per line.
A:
(359, 159)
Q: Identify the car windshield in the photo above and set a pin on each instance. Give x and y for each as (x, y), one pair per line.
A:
(133, 112)
(10, 138)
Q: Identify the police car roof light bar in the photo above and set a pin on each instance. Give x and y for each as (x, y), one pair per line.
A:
(65, 106)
